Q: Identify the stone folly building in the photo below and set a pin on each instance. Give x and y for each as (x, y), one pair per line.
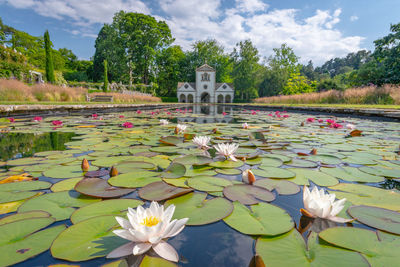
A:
(205, 89)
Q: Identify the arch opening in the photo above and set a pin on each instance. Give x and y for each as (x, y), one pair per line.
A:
(205, 98)
(182, 98)
(228, 99)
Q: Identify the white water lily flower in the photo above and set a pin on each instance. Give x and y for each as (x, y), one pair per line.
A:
(321, 205)
(227, 150)
(180, 128)
(350, 126)
(248, 177)
(245, 125)
(164, 122)
(147, 228)
(201, 142)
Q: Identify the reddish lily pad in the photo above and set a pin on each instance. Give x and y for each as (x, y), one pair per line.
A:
(171, 140)
(159, 191)
(95, 174)
(97, 187)
(247, 194)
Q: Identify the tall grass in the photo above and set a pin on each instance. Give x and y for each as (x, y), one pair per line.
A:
(13, 90)
(386, 94)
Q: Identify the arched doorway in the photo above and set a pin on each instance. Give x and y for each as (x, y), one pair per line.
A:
(182, 98)
(220, 99)
(205, 98)
(190, 98)
(228, 99)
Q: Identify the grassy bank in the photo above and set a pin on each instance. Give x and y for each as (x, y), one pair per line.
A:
(352, 106)
(13, 91)
(368, 95)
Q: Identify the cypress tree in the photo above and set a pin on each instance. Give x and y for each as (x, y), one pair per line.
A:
(49, 59)
(105, 88)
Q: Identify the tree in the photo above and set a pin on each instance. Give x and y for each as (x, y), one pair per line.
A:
(298, 84)
(130, 45)
(245, 67)
(105, 87)
(49, 59)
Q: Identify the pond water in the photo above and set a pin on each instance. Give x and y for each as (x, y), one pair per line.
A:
(40, 164)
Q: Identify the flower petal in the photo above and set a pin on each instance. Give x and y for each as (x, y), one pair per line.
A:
(177, 227)
(125, 234)
(122, 251)
(123, 222)
(141, 248)
(165, 250)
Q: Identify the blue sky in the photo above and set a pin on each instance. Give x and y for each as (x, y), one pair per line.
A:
(317, 30)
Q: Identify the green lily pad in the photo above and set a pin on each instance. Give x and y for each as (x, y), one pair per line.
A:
(379, 248)
(24, 161)
(130, 166)
(282, 187)
(88, 239)
(155, 262)
(271, 162)
(352, 175)
(283, 158)
(109, 161)
(207, 183)
(178, 182)
(21, 240)
(260, 219)
(118, 263)
(134, 179)
(247, 194)
(108, 207)
(304, 175)
(19, 190)
(171, 140)
(196, 160)
(159, 191)
(200, 210)
(273, 172)
(367, 195)
(302, 163)
(290, 249)
(325, 159)
(382, 171)
(62, 172)
(23, 216)
(379, 218)
(175, 170)
(227, 164)
(229, 171)
(97, 187)
(59, 205)
(65, 185)
(196, 171)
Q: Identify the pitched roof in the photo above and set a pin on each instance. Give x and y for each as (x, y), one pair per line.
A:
(180, 84)
(205, 67)
(218, 85)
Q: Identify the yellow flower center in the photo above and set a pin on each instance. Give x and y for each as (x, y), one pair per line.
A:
(150, 221)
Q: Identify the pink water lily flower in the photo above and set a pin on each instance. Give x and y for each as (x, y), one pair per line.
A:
(350, 126)
(11, 119)
(148, 228)
(95, 116)
(57, 123)
(310, 119)
(139, 111)
(330, 121)
(245, 125)
(224, 113)
(37, 119)
(127, 124)
(286, 116)
(121, 116)
(320, 120)
(253, 112)
(335, 125)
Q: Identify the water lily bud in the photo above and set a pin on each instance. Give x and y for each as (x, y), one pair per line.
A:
(302, 123)
(176, 130)
(85, 165)
(313, 151)
(248, 177)
(113, 171)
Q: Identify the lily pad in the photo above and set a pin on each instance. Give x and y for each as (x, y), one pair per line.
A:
(200, 210)
(23, 216)
(21, 240)
(59, 205)
(247, 194)
(382, 171)
(290, 249)
(195, 160)
(97, 187)
(62, 172)
(134, 179)
(65, 185)
(352, 175)
(229, 171)
(159, 191)
(304, 175)
(175, 170)
(379, 248)
(368, 195)
(108, 207)
(260, 219)
(379, 218)
(155, 262)
(171, 140)
(227, 164)
(302, 163)
(325, 159)
(271, 162)
(19, 190)
(282, 187)
(88, 239)
(207, 183)
(273, 172)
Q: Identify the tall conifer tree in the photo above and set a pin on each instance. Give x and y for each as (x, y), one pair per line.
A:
(105, 88)
(49, 59)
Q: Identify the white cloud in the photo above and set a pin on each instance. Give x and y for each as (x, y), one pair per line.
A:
(250, 6)
(353, 18)
(315, 37)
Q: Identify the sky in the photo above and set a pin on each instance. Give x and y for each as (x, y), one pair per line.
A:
(316, 30)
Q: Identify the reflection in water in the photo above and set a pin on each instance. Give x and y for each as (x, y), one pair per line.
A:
(314, 225)
(26, 144)
(209, 114)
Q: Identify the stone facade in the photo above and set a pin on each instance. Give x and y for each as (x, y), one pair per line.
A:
(205, 89)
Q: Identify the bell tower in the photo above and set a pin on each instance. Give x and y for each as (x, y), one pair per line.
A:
(205, 84)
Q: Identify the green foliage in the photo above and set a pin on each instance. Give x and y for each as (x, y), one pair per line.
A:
(105, 87)
(12, 64)
(298, 84)
(49, 59)
(328, 84)
(169, 99)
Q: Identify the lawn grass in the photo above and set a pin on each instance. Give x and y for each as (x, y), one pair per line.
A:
(353, 106)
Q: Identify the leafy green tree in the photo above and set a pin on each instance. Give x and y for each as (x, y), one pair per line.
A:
(298, 84)
(49, 59)
(105, 87)
(245, 66)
